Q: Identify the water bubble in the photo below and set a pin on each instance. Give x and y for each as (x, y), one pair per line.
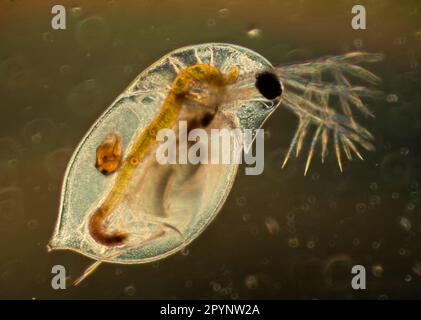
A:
(293, 242)
(266, 135)
(14, 73)
(392, 98)
(404, 151)
(254, 33)
(12, 163)
(246, 217)
(234, 296)
(76, 11)
(377, 270)
(51, 187)
(112, 4)
(10, 149)
(65, 69)
(305, 207)
(315, 176)
(92, 32)
(376, 244)
(410, 206)
(40, 130)
(254, 231)
(399, 41)
(408, 278)
(211, 22)
(56, 161)
(375, 200)
(405, 223)
(48, 37)
(395, 195)
(331, 243)
(11, 208)
(224, 13)
(130, 290)
(311, 244)
(374, 186)
(272, 225)
(416, 268)
(33, 224)
(128, 70)
(291, 216)
(251, 282)
(402, 252)
(185, 251)
(361, 207)
(36, 138)
(86, 98)
(241, 201)
(189, 284)
(337, 271)
(413, 64)
(216, 286)
(358, 43)
(396, 169)
(356, 242)
(312, 199)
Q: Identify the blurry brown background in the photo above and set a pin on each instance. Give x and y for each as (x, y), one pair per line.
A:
(280, 235)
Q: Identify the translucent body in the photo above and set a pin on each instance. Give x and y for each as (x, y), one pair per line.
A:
(146, 211)
(158, 199)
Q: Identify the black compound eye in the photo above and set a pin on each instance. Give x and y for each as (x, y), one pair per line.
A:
(268, 85)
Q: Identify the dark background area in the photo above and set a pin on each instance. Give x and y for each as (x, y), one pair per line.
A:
(280, 235)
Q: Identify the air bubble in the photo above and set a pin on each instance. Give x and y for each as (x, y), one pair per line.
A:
(311, 244)
(358, 43)
(241, 201)
(216, 286)
(224, 13)
(272, 225)
(392, 98)
(293, 242)
(251, 282)
(92, 32)
(48, 37)
(86, 98)
(254, 33)
(130, 290)
(33, 224)
(14, 73)
(404, 151)
(410, 206)
(374, 186)
(417, 268)
(211, 23)
(376, 244)
(40, 130)
(377, 270)
(361, 207)
(405, 223)
(76, 11)
(185, 251)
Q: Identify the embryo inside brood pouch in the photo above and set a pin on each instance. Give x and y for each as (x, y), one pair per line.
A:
(162, 200)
